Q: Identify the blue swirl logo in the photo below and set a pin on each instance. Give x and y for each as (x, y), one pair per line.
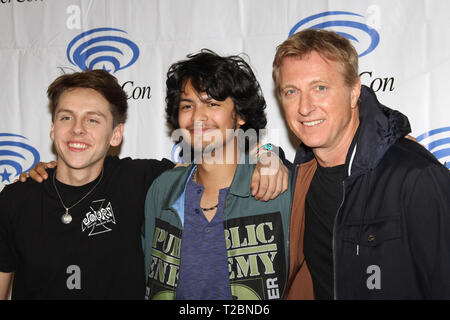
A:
(102, 48)
(364, 38)
(437, 141)
(15, 154)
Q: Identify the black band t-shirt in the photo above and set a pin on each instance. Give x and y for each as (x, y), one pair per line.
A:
(96, 256)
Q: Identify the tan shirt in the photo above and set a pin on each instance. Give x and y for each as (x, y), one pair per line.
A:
(300, 286)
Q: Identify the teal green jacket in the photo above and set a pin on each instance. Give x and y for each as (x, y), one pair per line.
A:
(256, 236)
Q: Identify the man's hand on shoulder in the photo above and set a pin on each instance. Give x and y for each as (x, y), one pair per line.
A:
(270, 177)
(38, 173)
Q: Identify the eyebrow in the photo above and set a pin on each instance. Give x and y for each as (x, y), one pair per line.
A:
(100, 114)
(317, 81)
(95, 113)
(206, 99)
(63, 110)
(289, 85)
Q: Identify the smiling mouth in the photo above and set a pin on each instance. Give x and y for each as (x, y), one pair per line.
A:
(199, 130)
(312, 123)
(77, 146)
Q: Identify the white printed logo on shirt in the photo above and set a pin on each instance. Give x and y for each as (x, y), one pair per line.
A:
(98, 217)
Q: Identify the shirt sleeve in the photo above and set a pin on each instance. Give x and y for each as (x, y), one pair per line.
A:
(154, 168)
(428, 214)
(145, 171)
(140, 175)
(7, 256)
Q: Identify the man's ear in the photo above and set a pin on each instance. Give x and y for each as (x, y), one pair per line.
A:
(117, 136)
(52, 132)
(240, 121)
(355, 93)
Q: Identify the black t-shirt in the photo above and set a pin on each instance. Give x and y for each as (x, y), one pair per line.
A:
(96, 256)
(322, 203)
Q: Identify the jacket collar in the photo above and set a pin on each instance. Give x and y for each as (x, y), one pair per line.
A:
(178, 185)
(379, 128)
(240, 186)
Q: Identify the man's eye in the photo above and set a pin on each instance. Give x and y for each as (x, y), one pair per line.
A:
(213, 104)
(185, 107)
(289, 92)
(93, 121)
(321, 88)
(65, 118)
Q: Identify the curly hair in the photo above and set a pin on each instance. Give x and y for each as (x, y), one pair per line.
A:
(220, 77)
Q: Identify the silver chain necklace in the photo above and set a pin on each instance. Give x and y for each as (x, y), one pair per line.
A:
(66, 218)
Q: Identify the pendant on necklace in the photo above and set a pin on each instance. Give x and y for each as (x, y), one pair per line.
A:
(66, 218)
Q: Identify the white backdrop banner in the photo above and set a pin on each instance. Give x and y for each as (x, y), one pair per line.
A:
(403, 46)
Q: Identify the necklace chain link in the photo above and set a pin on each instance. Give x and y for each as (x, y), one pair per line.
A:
(59, 196)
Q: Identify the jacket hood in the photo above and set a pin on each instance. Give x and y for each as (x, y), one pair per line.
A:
(379, 128)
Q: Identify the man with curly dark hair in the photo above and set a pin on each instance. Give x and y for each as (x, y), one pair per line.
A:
(219, 77)
(206, 236)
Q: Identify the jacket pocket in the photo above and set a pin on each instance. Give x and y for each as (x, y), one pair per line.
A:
(374, 232)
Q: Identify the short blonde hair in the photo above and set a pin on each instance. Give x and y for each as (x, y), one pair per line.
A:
(328, 44)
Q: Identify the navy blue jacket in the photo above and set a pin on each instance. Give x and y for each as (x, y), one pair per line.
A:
(391, 236)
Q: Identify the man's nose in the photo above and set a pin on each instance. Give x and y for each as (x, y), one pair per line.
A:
(200, 114)
(305, 105)
(79, 126)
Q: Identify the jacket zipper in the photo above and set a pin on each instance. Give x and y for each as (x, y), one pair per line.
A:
(334, 241)
(181, 247)
(181, 240)
(225, 226)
